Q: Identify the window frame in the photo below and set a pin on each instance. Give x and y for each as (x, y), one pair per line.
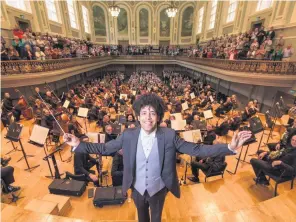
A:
(52, 9)
(263, 4)
(213, 14)
(85, 17)
(201, 13)
(231, 11)
(72, 14)
(20, 5)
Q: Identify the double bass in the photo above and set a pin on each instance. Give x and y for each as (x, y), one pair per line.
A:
(26, 109)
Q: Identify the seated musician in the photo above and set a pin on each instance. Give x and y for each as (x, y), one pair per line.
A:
(224, 108)
(104, 121)
(117, 169)
(210, 135)
(75, 129)
(215, 163)
(283, 141)
(250, 110)
(47, 120)
(8, 107)
(7, 174)
(37, 91)
(223, 128)
(83, 163)
(93, 113)
(279, 162)
(109, 133)
(50, 99)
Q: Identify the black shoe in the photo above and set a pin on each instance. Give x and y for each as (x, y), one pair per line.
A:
(5, 162)
(193, 179)
(13, 189)
(261, 181)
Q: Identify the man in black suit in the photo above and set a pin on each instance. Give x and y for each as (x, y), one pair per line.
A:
(9, 107)
(83, 162)
(117, 169)
(7, 175)
(278, 163)
(149, 156)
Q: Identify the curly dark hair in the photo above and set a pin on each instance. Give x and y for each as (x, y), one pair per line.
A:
(152, 100)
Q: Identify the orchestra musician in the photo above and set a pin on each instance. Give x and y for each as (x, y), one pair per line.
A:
(8, 107)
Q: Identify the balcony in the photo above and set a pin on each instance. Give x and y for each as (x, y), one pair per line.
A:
(269, 73)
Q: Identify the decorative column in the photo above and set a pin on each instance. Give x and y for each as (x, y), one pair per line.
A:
(40, 18)
(5, 23)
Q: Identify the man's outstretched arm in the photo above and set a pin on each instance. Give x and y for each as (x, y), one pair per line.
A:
(203, 151)
(94, 148)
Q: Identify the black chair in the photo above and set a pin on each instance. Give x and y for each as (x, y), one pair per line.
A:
(14, 198)
(280, 179)
(211, 172)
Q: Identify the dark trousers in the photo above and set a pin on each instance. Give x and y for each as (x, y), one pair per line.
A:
(143, 202)
(7, 175)
(195, 166)
(117, 177)
(262, 167)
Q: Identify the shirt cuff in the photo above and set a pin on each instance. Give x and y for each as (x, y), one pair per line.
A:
(234, 151)
(74, 147)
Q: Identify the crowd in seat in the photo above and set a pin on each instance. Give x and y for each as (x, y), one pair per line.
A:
(256, 44)
(28, 45)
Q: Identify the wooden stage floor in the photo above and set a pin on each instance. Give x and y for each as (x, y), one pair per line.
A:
(234, 198)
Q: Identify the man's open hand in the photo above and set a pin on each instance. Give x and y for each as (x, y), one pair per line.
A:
(239, 139)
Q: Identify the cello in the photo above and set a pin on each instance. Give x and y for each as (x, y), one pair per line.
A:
(26, 109)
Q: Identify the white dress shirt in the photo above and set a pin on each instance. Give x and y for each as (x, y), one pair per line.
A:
(147, 141)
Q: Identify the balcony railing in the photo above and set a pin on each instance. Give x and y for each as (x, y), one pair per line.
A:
(33, 66)
(249, 66)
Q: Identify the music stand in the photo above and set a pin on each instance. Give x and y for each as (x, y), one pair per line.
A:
(240, 154)
(57, 174)
(208, 114)
(38, 138)
(82, 112)
(13, 134)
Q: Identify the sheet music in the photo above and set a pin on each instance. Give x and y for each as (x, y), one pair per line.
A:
(208, 114)
(82, 112)
(123, 95)
(178, 124)
(102, 138)
(178, 116)
(93, 137)
(192, 95)
(134, 92)
(39, 134)
(66, 104)
(185, 106)
(193, 136)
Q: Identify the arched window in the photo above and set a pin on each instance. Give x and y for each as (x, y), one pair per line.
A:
(263, 4)
(72, 14)
(52, 11)
(231, 10)
(200, 19)
(85, 19)
(19, 4)
(213, 14)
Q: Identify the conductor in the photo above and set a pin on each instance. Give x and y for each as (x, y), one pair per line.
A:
(149, 153)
